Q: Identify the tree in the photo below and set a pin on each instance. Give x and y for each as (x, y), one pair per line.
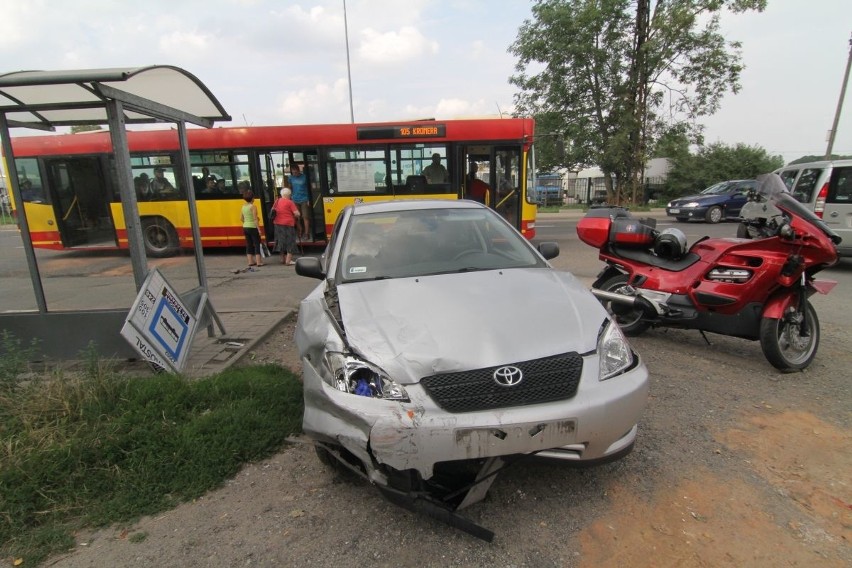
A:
(84, 128)
(614, 74)
(717, 162)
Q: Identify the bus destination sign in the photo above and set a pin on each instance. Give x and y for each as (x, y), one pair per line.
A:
(402, 131)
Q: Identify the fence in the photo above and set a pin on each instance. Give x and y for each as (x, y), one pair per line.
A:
(593, 190)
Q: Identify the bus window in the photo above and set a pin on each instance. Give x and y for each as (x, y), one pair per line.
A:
(409, 169)
(29, 180)
(354, 170)
(225, 169)
(155, 178)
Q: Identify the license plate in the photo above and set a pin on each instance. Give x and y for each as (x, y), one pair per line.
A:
(674, 211)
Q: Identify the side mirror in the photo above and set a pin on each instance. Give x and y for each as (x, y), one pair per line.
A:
(548, 250)
(309, 266)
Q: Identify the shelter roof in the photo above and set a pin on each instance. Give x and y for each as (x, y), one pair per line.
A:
(78, 96)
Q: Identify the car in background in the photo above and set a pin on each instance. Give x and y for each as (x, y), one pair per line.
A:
(719, 201)
(826, 189)
(439, 339)
(548, 190)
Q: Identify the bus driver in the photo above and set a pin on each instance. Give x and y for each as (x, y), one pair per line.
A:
(436, 172)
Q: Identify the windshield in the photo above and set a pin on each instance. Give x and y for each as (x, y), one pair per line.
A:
(717, 188)
(421, 242)
(772, 189)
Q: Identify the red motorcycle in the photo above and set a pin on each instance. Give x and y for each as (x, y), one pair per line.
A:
(755, 286)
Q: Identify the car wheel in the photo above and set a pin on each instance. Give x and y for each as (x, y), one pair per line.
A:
(714, 214)
(682, 219)
(629, 319)
(160, 237)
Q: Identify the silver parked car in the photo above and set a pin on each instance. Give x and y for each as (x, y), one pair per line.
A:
(826, 189)
(440, 341)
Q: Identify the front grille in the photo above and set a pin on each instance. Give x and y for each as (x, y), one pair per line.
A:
(545, 380)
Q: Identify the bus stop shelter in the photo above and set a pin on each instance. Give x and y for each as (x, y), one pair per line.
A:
(45, 100)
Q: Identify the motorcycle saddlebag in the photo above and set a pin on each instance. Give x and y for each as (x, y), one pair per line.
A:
(630, 232)
(594, 228)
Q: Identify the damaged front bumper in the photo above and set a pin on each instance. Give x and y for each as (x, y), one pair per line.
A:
(599, 421)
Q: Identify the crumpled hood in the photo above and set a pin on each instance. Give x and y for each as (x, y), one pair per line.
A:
(416, 327)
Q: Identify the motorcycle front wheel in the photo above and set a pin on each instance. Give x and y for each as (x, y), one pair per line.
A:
(629, 319)
(784, 344)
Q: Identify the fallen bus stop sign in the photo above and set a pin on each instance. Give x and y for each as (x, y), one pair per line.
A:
(160, 326)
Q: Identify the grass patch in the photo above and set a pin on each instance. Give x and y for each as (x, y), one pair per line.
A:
(99, 448)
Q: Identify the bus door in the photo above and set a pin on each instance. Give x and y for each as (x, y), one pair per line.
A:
(493, 178)
(310, 165)
(81, 201)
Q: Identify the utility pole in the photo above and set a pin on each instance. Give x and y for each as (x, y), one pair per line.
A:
(349, 67)
(833, 132)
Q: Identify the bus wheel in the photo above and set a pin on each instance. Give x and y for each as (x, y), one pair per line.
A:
(160, 237)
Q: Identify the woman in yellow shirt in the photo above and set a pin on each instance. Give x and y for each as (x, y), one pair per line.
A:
(248, 216)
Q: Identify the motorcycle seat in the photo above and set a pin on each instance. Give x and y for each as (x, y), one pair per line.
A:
(647, 257)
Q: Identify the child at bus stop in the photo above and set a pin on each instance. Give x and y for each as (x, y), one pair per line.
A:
(248, 217)
(285, 219)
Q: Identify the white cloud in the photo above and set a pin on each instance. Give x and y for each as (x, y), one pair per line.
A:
(394, 47)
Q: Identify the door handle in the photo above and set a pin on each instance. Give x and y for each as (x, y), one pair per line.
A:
(833, 214)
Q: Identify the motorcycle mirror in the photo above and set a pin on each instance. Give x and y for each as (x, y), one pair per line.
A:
(786, 231)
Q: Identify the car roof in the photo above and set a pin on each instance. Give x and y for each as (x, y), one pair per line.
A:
(818, 164)
(413, 205)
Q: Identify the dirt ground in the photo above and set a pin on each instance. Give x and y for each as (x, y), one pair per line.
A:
(736, 465)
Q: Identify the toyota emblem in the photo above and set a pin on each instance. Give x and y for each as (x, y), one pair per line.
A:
(508, 376)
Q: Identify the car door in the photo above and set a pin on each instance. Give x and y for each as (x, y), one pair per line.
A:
(738, 197)
(838, 206)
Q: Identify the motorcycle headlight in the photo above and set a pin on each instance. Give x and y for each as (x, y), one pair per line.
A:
(356, 376)
(614, 352)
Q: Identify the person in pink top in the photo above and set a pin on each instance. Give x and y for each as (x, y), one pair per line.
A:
(286, 213)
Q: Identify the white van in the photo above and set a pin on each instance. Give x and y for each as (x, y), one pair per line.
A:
(826, 188)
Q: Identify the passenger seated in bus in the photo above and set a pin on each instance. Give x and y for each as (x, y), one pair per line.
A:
(210, 190)
(436, 172)
(160, 186)
(143, 192)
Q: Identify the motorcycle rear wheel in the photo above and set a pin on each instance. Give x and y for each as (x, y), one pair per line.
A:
(628, 319)
(783, 344)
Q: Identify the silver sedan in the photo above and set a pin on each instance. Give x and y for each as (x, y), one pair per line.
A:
(439, 339)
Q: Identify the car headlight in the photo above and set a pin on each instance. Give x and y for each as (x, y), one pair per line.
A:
(356, 376)
(692, 204)
(614, 352)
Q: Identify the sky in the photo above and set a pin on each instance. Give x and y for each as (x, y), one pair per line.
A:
(285, 62)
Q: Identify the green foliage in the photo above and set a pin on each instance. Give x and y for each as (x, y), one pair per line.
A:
(717, 162)
(85, 128)
(614, 75)
(14, 360)
(100, 448)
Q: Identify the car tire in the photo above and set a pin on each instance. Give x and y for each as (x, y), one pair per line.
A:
(629, 319)
(714, 214)
(160, 237)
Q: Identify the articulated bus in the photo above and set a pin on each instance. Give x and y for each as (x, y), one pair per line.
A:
(69, 185)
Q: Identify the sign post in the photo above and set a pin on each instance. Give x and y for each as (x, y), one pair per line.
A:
(159, 326)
